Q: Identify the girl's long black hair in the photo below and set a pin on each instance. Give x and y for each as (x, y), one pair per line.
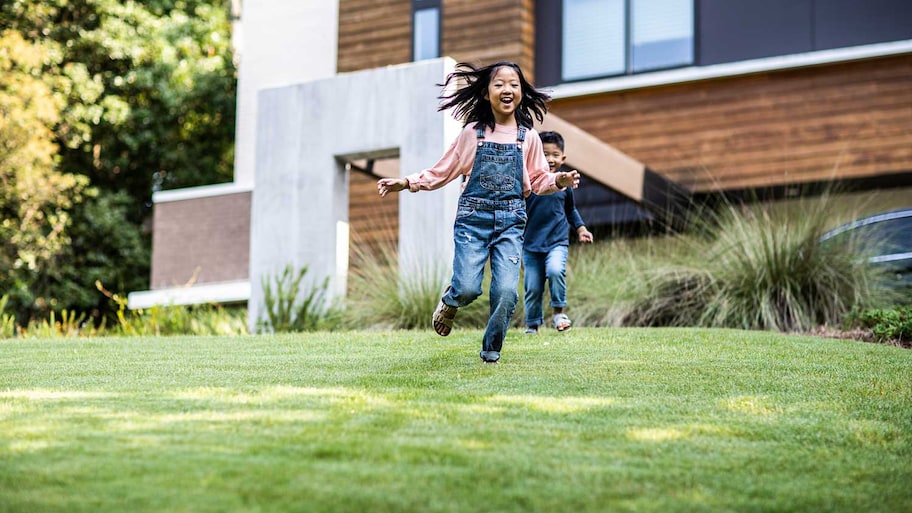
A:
(470, 103)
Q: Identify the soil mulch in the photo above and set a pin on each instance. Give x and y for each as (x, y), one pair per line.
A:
(859, 334)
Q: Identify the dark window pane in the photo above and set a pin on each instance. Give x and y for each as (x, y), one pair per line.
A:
(895, 235)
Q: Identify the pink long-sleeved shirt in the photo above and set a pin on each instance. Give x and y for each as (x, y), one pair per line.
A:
(459, 158)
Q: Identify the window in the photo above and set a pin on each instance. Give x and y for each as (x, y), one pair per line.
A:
(614, 37)
(661, 34)
(593, 38)
(425, 29)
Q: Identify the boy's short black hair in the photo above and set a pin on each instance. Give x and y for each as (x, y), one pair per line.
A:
(553, 138)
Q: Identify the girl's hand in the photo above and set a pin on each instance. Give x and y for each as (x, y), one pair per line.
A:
(385, 185)
(568, 179)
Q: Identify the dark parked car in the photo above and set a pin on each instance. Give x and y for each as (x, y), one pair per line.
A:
(889, 236)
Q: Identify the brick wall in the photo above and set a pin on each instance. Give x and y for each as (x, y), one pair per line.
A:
(201, 240)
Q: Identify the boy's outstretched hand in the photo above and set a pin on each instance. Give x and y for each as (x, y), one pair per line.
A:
(584, 234)
(568, 179)
(385, 185)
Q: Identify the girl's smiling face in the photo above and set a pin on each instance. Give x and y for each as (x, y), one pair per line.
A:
(504, 92)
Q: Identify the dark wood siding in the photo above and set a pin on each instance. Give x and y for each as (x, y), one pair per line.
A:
(375, 33)
(497, 30)
(373, 221)
(848, 120)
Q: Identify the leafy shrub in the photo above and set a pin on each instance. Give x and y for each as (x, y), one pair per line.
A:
(156, 321)
(99, 229)
(69, 324)
(206, 319)
(886, 324)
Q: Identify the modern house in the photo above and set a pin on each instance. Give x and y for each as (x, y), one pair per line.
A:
(660, 98)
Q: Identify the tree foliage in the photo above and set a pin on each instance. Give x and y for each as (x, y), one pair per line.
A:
(150, 90)
(36, 200)
(104, 102)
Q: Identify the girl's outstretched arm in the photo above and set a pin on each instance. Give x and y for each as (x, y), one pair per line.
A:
(385, 185)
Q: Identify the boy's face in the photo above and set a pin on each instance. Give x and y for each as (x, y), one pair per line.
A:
(554, 155)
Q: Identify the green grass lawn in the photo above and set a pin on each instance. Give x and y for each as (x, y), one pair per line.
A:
(659, 420)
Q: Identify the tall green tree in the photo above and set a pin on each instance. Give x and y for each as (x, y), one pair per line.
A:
(145, 94)
(36, 200)
(151, 96)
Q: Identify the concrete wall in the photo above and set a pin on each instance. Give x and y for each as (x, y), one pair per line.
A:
(306, 132)
(281, 42)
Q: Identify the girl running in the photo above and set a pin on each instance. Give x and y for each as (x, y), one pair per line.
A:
(501, 155)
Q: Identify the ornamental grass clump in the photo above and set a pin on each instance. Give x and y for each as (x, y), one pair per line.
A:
(380, 296)
(774, 273)
(604, 277)
(759, 268)
(7, 320)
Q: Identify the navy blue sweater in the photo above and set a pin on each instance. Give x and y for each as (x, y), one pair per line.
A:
(550, 218)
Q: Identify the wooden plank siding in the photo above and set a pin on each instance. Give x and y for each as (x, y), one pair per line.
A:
(487, 32)
(374, 33)
(848, 120)
(373, 221)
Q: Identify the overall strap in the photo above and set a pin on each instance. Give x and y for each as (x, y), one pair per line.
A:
(521, 134)
(479, 133)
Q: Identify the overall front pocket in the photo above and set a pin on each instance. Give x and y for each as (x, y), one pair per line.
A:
(497, 182)
(464, 211)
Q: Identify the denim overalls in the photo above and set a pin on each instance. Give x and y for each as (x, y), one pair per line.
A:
(490, 222)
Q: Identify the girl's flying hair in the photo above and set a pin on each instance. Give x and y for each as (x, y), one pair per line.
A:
(470, 103)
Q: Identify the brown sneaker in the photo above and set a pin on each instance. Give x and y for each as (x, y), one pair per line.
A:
(443, 318)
